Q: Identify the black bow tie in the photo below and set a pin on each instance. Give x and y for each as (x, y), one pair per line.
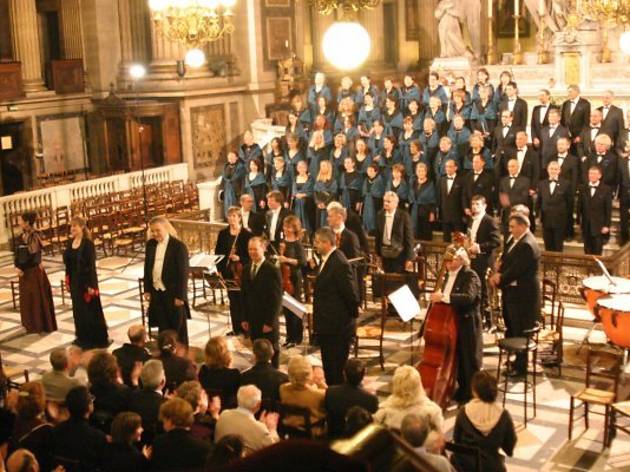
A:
(561, 157)
(450, 178)
(512, 178)
(506, 127)
(594, 127)
(593, 186)
(477, 173)
(553, 180)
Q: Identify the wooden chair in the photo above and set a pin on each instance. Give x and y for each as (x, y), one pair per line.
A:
(549, 299)
(10, 372)
(120, 241)
(603, 365)
(552, 340)
(619, 419)
(62, 227)
(303, 414)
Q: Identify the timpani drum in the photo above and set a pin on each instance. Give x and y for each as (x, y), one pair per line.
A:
(614, 312)
(598, 286)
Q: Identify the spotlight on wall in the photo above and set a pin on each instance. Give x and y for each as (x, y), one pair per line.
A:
(346, 44)
(137, 71)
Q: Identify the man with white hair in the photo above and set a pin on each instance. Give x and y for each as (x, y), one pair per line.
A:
(462, 290)
(605, 158)
(319, 89)
(146, 401)
(394, 236)
(256, 434)
(612, 115)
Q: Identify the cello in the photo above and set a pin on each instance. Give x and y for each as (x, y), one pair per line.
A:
(438, 366)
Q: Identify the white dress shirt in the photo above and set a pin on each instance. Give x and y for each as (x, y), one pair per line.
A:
(275, 214)
(448, 288)
(449, 182)
(245, 218)
(593, 188)
(511, 102)
(542, 112)
(476, 221)
(574, 104)
(158, 264)
(552, 129)
(389, 224)
(561, 158)
(552, 186)
(325, 259)
(520, 157)
(605, 110)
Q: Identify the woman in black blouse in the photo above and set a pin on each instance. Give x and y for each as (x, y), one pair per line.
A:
(232, 244)
(81, 280)
(292, 260)
(216, 376)
(37, 309)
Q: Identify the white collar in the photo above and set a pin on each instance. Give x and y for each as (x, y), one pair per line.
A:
(479, 216)
(245, 411)
(392, 213)
(258, 264)
(340, 229)
(276, 211)
(454, 272)
(165, 241)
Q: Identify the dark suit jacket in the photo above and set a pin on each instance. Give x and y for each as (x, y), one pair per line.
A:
(535, 125)
(608, 165)
(177, 370)
(530, 167)
(554, 209)
(519, 111)
(267, 378)
(586, 146)
(504, 145)
(355, 224)
(489, 239)
(127, 356)
(256, 223)
(579, 119)
(484, 185)
(75, 439)
(335, 297)
(402, 234)
(519, 270)
(349, 244)
(147, 404)
(548, 144)
(261, 297)
(283, 214)
(623, 141)
(519, 193)
(339, 399)
(596, 211)
(174, 269)
(614, 121)
(178, 450)
(451, 204)
(569, 171)
(624, 180)
(466, 294)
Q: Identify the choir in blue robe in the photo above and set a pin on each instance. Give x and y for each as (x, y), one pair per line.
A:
(393, 122)
(337, 156)
(282, 183)
(483, 117)
(408, 94)
(402, 190)
(367, 118)
(461, 141)
(373, 191)
(440, 160)
(404, 141)
(292, 157)
(387, 160)
(475, 91)
(315, 157)
(358, 99)
(485, 152)
(325, 192)
(233, 175)
(314, 93)
(430, 145)
(441, 125)
(303, 206)
(257, 188)
(375, 143)
(423, 199)
(394, 92)
(247, 153)
(350, 184)
(438, 92)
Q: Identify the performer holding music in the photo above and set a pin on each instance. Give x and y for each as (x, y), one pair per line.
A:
(232, 243)
(461, 290)
(166, 279)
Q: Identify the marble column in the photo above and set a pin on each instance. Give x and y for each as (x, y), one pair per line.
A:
(372, 20)
(72, 29)
(26, 45)
(126, 43)
(139, 18)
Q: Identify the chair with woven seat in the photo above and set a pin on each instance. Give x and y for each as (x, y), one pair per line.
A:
(620, 412)
(553, 339)
(528, 344)
(549, 302)
(603, 365)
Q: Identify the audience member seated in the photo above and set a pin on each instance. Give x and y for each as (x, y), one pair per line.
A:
(74, 441)
(31, 430)
(122, 454)
(216, 376)
(111, 396)
(177, 369)
(23, 460)
(408, 396)
(340, 398)
(206, 414)
(78, 361)
(483, 424)
(266, 377)
(146, 401)
(177, 449)
(133, 351)
(306, 390)
(226, 451)
(57, 383)
(415, 430)
(355, 420)
(256, 434)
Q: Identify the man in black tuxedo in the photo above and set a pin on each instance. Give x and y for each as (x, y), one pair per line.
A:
(513, 190)
(528, 166)
(624, 195)
(553, 204)
(261, 297)
(569, 173)
(485, 239)
(340, 398)
(450, 199)
(479, 182)
(262, 374)
(394, 236)
(355, 224)
(134, 351)
(254, 222)
(515, 104)
(586, 148)
(166, 279)
(612, 115)
(275, 217)
(335, 306)
(605, 158)
(345, 240)
(518, 280)
(540, 117)
(595, 206)
(575, 115)
(550, 135)
(462, 290)
(622, 143)
(504, 139)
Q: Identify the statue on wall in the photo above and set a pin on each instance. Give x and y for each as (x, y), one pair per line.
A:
(449, 15)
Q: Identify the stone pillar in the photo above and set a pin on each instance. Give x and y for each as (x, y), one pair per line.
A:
(72, 29)
(126, 43)
(139, 19)
(26, 45)
(372, 20)
(163, 51)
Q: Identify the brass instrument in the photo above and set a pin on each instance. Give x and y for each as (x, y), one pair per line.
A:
(494, 299)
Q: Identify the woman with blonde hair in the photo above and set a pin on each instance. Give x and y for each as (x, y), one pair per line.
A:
(216, 376)
(325, 191)
(82, 283)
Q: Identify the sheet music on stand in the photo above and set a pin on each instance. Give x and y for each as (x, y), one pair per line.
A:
(293, 305)
(207, 261)
(406, 304)
(605, 271)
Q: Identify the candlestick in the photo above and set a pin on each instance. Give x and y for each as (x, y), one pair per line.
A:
(517, 57)
(489, 8)
(517, 10)
(543, 55)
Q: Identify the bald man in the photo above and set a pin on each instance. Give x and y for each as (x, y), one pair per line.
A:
(133, 351)
(22, 460)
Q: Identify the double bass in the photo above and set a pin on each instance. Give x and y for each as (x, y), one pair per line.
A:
(438, 367)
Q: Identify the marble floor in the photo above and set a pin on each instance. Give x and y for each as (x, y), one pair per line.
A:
(542, 445)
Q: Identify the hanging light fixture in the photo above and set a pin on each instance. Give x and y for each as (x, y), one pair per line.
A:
(193, 22)
(624, 42)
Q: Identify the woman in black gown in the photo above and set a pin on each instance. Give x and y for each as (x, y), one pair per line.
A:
(232, 243)
(81, 280)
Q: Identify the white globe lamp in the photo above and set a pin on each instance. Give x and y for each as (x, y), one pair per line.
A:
(137, 71)
(195, 58)
(624, 43)
(158, 5)
(346, 45)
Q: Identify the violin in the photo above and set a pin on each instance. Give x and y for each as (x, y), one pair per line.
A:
(285, 270)
(236, 267)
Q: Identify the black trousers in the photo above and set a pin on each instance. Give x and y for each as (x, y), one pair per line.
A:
(480, 265)
(335, 349)
(236, 310)
(554, 238)
(166, 316)
(570, 230)
(592, 244)
(469, 354)
(255, 332)
(519, 315)
(295, 327)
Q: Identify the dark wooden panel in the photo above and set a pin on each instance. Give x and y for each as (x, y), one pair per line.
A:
(10, 80)
(67, 76)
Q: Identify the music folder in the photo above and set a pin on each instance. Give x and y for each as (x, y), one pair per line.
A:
(205, 260)
(405, 303)
(293, 305)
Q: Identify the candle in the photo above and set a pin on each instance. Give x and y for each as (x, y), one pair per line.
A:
(542, 8)
(489, 8)
(517, 10)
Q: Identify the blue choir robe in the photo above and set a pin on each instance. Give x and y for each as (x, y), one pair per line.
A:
(373, 191)
(404, 143)
(268, 162)
(418, 121)
(362, 166)
(367, 118)
(386, 162)
(283, 184)
(337, 157)
(328, 136)
(407, 94)
(305, 117)
(461, 141)
(464, 110)
(375, 143)
(412, 162)
(430, 145)
(339, 122)
(325, 192)
(257, 188)
(392, 123)
(358, 98)
(498, 96)
(313, 94)
(350, 185)
(475, 92)
(303, 208)
(232, 176)
(485, 152)
(315, 157)
(345, 93)
(402, 190)
(483, 117)
(441, 125)
(394, 91)
(247, 153)
(329, 115)
(423, 200)
(292, 160)
(437, 92)
(351, 134)
(440, 160)
(299, 131)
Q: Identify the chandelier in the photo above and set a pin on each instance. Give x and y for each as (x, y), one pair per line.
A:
(193, 22)
(609, 10)
(326, 7)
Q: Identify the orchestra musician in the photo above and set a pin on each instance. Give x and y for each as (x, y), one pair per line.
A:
(394, 236)
(232, 243)
(462, 290)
